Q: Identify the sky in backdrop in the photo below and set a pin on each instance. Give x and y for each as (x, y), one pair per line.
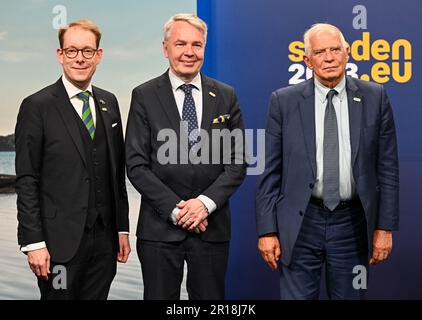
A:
(132, 36)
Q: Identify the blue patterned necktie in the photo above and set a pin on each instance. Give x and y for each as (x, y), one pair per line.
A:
(86, 113)
(189, 114)
(331, 176)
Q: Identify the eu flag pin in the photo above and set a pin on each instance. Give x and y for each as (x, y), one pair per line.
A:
(212, 94)
(356, 99)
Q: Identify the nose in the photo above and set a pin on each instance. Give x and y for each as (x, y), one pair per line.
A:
(188, 50)
(79, 57)
(328, 55)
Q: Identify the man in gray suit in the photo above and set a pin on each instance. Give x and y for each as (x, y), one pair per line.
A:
(329, 192)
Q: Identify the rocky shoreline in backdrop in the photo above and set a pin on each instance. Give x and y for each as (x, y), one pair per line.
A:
(7, 183)
(7, 143)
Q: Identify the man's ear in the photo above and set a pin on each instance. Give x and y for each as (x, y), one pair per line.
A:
(99, 54)
(59, 53)
(165, 44)
(307, 62)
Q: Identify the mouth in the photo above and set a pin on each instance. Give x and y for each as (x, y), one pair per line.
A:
(190, 63)
(330, 68)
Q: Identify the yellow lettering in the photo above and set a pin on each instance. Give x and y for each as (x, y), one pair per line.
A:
(407, 71)
(297, 49)
(364, 45)
(407, 49)
(380, 72)
(380, 50)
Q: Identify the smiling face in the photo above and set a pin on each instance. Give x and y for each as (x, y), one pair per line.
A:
(327, 57)
(79, 70)
(185, 50)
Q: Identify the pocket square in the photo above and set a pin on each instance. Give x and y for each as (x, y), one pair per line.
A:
(114, 124)
(222, 118)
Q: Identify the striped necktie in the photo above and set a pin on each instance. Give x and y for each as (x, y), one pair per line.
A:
(86, 113)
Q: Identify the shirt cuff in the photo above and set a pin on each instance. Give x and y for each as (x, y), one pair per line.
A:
(34, 246)
(173, 215)
(124, 232)
(208, 203)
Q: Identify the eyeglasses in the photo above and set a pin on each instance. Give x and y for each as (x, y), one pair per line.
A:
(72, 52)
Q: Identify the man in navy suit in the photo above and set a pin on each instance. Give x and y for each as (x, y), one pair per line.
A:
(329, 192)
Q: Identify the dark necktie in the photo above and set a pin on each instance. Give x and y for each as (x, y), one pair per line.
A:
(86, 113)
(331, 176)
(189, 113)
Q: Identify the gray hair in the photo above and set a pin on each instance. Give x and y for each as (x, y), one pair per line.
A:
(320, 27)
(189, 18)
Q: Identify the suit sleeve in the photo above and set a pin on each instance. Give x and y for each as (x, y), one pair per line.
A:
(29, 146)
(235, 171)
(387, 169)
(123, 204)
(138, 161)
(269, 183)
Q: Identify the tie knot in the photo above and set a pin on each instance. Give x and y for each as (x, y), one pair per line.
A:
(187, 88)
(84, 95)
(331, 94)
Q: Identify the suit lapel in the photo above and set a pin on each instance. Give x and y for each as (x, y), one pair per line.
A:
(209, 102)
(66, 111)
(103, 112)
(167, 101)
(307, 111)
(354, 101)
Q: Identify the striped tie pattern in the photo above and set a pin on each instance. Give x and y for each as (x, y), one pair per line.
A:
(86, 113)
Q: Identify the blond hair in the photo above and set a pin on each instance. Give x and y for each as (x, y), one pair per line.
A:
(84, 24)
(189, 18)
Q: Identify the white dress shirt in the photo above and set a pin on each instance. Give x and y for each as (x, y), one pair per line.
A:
(347, 183)
(77, 103)
(179, 96)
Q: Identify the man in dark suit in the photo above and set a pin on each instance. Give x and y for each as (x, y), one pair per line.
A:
(329, 192)
(184, 215)
(70, 168)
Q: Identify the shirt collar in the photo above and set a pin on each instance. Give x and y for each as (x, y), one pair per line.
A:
(321, 90)
(176, 82)
(72, 90)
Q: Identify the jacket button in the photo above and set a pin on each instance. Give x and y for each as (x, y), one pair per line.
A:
(311, 185)
(300, 213)
(87, 180)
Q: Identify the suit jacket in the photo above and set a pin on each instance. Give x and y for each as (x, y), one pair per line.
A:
(162, 186)
(285, 187)
(52, 176)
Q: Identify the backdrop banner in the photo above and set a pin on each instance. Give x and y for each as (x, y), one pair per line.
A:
(257, 47)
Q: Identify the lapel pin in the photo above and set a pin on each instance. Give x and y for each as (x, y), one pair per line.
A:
(103, 103)
(356, 99)
(212, 94)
